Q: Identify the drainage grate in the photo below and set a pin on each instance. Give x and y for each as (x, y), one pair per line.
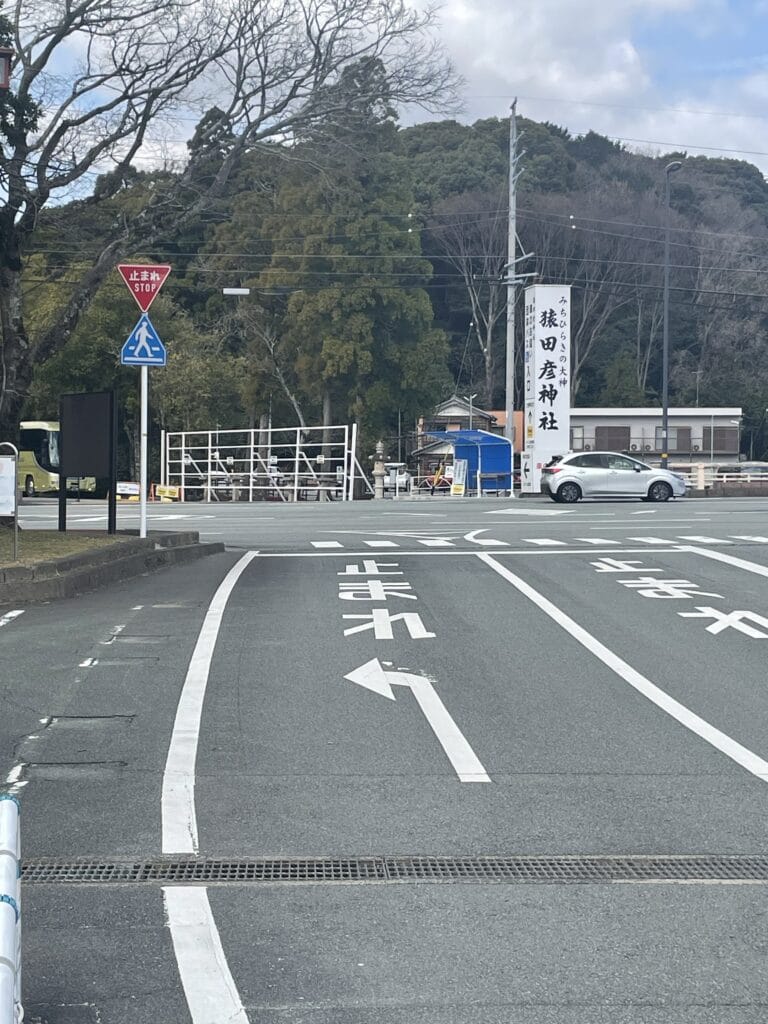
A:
(563, 870)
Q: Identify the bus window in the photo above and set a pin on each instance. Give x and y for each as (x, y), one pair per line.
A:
(43, 444)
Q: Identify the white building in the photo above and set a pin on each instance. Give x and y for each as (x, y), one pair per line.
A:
(696, 434)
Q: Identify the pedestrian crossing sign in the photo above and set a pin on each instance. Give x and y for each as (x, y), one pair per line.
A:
(143, 346)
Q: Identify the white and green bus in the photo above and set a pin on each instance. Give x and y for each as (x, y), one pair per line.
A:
(39, 460)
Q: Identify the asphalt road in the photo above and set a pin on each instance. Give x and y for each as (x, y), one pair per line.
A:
(471, 686)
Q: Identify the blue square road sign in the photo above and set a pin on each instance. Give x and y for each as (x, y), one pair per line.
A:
(143, 346)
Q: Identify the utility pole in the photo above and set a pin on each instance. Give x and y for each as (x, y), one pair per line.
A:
(509, 373)
(513, 280)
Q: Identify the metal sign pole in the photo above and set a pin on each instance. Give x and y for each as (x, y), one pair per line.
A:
(143, 452)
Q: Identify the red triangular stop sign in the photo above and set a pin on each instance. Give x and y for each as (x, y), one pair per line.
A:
(144, 281)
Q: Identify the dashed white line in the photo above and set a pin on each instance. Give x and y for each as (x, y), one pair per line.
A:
(545, 542)
(10, 616)
(326, 544)
(596, 540)
(380, 544)
(757, 540)
(653, 540)
(434, 542)
(704, 540)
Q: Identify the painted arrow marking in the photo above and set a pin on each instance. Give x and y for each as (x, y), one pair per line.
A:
(373, 676)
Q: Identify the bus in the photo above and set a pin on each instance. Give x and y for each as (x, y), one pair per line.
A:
(39, 460)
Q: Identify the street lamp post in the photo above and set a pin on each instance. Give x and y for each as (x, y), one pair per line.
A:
(469, 399)
(675, 165)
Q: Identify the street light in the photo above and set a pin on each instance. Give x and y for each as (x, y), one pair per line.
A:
(669, 169)
(469, 399)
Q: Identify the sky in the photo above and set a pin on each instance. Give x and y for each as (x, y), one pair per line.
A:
(660, 74)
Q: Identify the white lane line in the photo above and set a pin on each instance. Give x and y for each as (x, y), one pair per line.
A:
(596, 540)
(209, 987)
(545, 542)
(652, 540)
(434, 542)
(10, 616)
(179, 820)
(739, 563)
(326, 544)
(757, 540)
(380, 544)
(687, 718)
(704, 540)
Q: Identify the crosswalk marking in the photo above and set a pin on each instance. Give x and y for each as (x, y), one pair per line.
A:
(597, 540)
(653, 540)
(704, 540)
(541, 542)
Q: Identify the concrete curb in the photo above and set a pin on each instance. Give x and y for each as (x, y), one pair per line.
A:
(89, 570)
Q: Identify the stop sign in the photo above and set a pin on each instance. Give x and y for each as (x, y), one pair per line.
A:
(144, 281)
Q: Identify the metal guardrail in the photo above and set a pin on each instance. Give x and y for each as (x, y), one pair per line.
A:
(11, 1011)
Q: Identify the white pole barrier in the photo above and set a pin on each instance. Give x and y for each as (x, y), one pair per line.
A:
(10, 911)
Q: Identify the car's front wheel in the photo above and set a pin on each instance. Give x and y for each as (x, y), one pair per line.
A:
(660, 491)
(568, 493)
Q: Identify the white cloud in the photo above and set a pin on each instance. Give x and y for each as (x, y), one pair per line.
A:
(581, 64)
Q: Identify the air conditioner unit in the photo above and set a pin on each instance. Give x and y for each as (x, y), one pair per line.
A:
(587, 448)
(633, 447)
(696, 448)
(647, 447)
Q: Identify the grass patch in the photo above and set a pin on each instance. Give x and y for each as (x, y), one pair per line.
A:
(46, 545)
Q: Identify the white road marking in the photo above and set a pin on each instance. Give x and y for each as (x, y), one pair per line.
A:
(179, 820)
(380, 544)
(652, 540)
(533, 512)
(88, 663)
(739, 563)
(10, 616)
(545, 542)
(596, 540)
(473, 538)
(14, 782)
(757, 540)
(645, 512)
(687, 718)
(705, 540)
(465, 762)
(326, 544)
(435, 542)
(209, 987)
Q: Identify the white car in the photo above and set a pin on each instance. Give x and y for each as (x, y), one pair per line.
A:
(608, 475)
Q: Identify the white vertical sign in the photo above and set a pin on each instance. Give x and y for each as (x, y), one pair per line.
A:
(548, 368)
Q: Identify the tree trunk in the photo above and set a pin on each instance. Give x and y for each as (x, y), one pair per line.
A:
(15, 356)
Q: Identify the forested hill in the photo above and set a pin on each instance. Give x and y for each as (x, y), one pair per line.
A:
(376, 258)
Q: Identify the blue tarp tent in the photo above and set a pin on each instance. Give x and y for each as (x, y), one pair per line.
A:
(488, 454)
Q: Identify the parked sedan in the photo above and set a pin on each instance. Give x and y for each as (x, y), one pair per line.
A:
(608, 475)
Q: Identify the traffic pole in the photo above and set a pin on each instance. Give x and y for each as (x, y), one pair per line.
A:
(143, 452)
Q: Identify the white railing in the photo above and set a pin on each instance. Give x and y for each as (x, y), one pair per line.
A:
(701, 475)
(278, 464)
(11, 1011)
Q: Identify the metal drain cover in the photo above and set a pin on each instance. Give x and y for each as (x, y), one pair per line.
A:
(562, 870)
